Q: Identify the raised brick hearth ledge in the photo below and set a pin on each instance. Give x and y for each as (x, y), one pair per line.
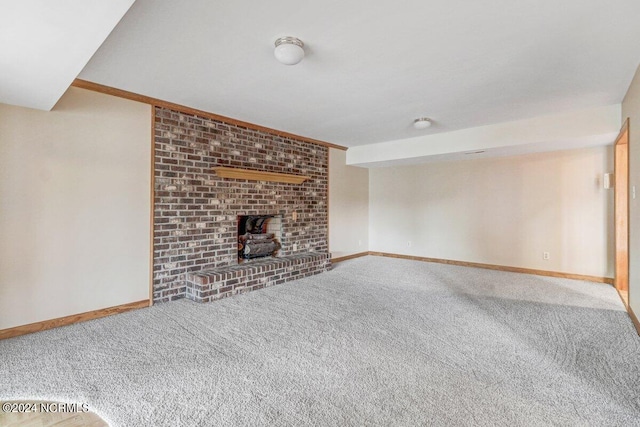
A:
(222, 282)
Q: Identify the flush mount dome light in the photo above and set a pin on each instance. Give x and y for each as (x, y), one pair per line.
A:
(422, 123)
(289, 50)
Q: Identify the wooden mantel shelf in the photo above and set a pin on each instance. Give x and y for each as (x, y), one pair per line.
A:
(236, 173)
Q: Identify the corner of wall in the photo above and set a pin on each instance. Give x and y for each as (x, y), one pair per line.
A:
(348, 206)
(631, 110)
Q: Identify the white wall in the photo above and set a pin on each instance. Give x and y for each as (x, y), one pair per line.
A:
(74, 207)
(631, 109)
(348, 206)
(503, 211)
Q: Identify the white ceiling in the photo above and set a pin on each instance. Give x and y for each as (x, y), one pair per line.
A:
(370, 67)
(44, 44)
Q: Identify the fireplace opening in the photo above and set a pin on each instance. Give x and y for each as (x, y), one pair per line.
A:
(258, 236)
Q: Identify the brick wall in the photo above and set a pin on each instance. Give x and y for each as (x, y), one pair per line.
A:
(195, 212)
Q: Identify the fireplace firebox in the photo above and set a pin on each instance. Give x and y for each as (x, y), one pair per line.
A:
(258, 236)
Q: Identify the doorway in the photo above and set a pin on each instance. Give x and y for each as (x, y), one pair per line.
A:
(621, 212)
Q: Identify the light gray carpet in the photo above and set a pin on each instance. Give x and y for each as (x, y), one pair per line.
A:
(376, 341)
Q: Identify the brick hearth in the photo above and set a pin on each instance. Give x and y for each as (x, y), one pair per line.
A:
(210, 285)
(195, 211)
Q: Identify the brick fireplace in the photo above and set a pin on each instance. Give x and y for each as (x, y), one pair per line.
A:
(196, 212)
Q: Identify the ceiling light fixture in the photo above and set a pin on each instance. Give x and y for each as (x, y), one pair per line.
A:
(422, 123)
(289, 50)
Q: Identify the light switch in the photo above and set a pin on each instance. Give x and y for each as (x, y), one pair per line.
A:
(295, 215)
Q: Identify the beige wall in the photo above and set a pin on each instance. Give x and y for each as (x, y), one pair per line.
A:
(348, 206)
(631, 109)
(74, 207)
(504, 211)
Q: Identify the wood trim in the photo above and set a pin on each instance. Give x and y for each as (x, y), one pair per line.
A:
(108, 90)
(152, 208)
(624, 296)
(621, 209)
(607, 280)
(68, 320)
(625, 134)
(634, 319)
(624, 129)
(347, 257)
(96, 87)
(253, 175)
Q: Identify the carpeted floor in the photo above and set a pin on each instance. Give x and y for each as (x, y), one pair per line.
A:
(376, 341)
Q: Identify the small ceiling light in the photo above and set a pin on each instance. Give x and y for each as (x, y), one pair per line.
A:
(422, 123)
(289, 50)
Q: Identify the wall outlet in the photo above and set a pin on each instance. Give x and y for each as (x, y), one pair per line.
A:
(545, 255)
(294, 215)
(409, 244)
(295, 247)
(359, 242)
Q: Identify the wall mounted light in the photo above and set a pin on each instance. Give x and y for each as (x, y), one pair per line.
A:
(422, 123)
(289, 50)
